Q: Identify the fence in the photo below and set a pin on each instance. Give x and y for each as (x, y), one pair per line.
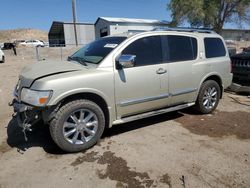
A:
(60, 52)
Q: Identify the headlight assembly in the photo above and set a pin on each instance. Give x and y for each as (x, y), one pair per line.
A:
(35, 98)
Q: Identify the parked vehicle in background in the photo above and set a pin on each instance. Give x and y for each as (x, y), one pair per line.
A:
(17, 42)
(119, 79)
(232, 51)
(46, 44)
(32, 43)
(2, 57)
(247, 49)
(241, 67)
(8, 46)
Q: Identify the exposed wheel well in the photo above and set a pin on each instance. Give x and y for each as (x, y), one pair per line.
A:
(94, 98)
(218, 80)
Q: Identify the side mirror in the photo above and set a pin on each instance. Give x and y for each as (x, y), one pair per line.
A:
(126, 61)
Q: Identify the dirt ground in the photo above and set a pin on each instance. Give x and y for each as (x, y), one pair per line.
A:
(178, 149)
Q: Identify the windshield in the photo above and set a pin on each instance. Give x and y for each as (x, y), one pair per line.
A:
(96, 51)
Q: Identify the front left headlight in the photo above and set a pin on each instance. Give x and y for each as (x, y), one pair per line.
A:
(35, 98)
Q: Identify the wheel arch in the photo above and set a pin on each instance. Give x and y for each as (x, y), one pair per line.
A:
(214, 77)
(94, 97)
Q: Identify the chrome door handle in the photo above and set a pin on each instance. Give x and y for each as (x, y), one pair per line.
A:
(161, 71)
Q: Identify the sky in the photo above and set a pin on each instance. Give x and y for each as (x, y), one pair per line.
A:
(39, 14)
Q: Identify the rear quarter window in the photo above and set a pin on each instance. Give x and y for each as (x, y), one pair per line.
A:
(214, 47)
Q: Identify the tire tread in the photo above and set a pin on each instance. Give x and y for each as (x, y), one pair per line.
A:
(55, 124)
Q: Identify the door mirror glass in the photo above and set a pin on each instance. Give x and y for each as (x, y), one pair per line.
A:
(126, 61)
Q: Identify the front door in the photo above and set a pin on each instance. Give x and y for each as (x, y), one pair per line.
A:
(143, 87)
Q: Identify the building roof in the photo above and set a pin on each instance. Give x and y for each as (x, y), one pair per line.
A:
(79, 23)
(133, 20)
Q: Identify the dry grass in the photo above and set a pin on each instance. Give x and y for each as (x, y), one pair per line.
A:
(22, 34)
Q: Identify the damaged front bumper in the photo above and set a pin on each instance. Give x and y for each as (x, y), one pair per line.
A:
(25, 115)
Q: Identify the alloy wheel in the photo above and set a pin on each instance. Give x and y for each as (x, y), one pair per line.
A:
(80, 126)
(210, 97)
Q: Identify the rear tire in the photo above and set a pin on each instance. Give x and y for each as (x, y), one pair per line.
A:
(77, 126)
(208, 97)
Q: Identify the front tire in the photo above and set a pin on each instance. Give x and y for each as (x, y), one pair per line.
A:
(77, 126)
(208, 97)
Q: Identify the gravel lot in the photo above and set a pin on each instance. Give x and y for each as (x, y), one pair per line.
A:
(179, 149)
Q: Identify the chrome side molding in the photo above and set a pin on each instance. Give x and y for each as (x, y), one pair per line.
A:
(142, 100)
(181, 92)
(152, 113)
(148, 99)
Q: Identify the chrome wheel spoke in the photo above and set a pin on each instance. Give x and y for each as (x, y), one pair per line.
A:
(205, 102)
(80, 126)
(82, 113)
(74, 118)
(69, 125)
(91, 124)
(86, 120)
(212, 90)
(209, 90)
(214, 93)
(83, 139)
(214, 99)
(205, 98)
(90, 132)
(208, 103)
(74, 139)
(69, 133)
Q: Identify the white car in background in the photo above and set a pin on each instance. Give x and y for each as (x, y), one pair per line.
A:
(2, 58)
(32, 43)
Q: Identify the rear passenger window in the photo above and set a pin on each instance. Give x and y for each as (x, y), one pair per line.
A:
(181, 48)
(148, 51)
(214, 47)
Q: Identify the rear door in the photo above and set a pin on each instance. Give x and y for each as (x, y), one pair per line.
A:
(181, 54)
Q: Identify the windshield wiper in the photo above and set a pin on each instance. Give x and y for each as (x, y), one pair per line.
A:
(77, 59)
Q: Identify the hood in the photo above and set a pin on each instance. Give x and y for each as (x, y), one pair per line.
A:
(35, 71)
(243, 55)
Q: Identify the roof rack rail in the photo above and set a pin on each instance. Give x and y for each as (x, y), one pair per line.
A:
(184, 30)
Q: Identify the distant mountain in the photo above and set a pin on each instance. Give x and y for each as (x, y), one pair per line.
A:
(22, 34)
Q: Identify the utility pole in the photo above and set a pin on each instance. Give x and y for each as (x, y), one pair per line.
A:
(74, 19)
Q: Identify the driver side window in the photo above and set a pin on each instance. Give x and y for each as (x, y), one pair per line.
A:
(148, 51)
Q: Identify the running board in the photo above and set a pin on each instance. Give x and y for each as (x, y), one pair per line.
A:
(152, 113)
